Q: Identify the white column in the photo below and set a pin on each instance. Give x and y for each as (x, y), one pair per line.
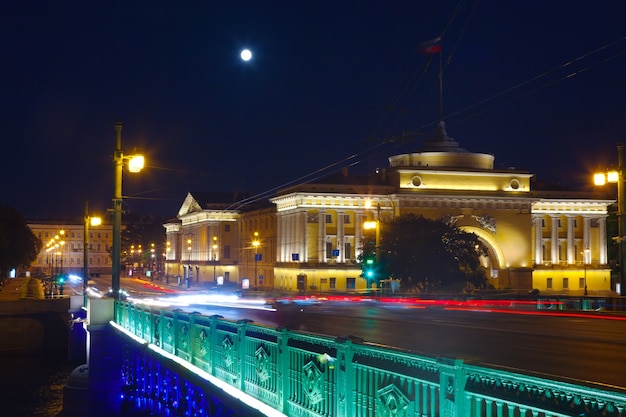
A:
(282, 231)
(554, 240)
(571, 247)
(602, 243)
(586, 237)
(340, 236)
(279, 228)
(293, 230)
(304, 256)
(358, 233)
(321, 236)
(538, 240)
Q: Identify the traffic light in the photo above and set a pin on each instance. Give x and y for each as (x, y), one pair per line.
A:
(370, 267)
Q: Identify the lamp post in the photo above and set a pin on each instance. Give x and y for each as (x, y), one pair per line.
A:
(188, 277)
(136, 163)
(168, 247)
(255, 245)
(94, 221)
(617, 176)
(214, 259)
(585, 261)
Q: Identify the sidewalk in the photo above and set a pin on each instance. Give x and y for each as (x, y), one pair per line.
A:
(22, 289)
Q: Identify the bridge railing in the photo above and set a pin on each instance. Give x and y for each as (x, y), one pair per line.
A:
(305, 374)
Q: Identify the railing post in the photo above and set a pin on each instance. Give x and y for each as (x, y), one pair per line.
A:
(214, 342)
(344, 374)
(282, 362)
(451, 387)
(241, 351)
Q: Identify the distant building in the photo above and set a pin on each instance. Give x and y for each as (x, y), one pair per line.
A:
(63, 248)
(310, 238)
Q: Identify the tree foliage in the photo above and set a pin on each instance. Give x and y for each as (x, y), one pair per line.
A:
(19, 246)
(431, 255)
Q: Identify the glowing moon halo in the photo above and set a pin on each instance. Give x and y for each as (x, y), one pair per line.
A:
(246, 55)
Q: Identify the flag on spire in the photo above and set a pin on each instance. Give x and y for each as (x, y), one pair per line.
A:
(432, 46)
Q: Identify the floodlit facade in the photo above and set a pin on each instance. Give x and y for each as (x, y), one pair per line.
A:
(63, 248)
(310, 238)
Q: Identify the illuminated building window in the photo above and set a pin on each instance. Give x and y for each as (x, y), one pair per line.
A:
(350, 283)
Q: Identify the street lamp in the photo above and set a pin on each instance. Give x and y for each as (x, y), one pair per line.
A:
(188, 278)
(214, 259)
(617, 176)
(585, 254)
(94, 221)
(135, 164)
(168, 247)
(255, 245)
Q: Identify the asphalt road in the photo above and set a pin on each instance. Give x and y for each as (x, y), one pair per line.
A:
(588, 347)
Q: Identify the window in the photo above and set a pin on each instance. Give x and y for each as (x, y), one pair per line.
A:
(333, 283)
(558, 223)
(348, 250)
(350, 283)
(226, 251)
(329, 218)
(99, 235)
(329, 250)
(543, 222)
(227, 227)
(346, 218)
(581, 282)
(565, 283)
(549, 283)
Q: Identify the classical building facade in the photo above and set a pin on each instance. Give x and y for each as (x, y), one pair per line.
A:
(63, 248)
(310, 238)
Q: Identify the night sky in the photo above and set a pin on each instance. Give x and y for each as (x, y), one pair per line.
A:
(540, 84)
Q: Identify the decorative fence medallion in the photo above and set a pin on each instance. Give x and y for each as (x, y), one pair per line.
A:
(391, 402)
(204, 341)
(312, 382)
(262, 364)
(185, 340)
(157, 334)
(168, 330)
(229, 353)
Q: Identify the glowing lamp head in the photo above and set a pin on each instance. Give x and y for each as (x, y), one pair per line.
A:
(95, 221)
(599, 179)
(612, 176)
(136, 163)
(369, 225)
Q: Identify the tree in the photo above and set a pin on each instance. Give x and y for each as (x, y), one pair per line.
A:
(431, 255)
(19, 246)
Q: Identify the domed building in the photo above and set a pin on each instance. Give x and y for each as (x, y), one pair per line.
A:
(552, 241)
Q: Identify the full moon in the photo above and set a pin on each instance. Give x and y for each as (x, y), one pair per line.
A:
(246, 55)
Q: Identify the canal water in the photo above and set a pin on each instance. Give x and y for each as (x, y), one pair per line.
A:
(32, 385)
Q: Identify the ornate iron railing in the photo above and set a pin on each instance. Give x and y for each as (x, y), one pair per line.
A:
(306, 375)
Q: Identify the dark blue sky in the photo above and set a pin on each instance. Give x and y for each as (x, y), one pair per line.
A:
(540, 84)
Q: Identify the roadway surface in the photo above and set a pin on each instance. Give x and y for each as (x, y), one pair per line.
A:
(587, 347)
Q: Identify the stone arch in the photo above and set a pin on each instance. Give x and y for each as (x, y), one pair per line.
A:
(488, 239)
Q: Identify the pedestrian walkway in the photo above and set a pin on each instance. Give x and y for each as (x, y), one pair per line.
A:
(22, 289)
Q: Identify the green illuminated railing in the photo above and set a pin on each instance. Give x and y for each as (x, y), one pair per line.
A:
(304, 374)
